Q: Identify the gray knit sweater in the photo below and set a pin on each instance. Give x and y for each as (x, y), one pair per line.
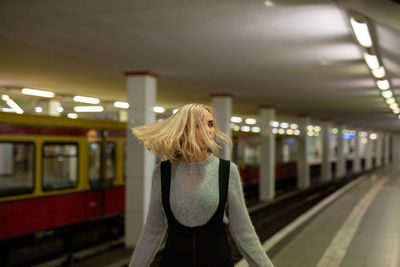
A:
(194, 198)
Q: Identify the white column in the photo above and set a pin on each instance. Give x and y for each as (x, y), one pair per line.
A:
(267, 164)
(341, 158)
(54, 105)
(222, 106)
(303, 143)
(357, 158)
(326, 174)
(387, 149)
(368, 152)
(379, 144)
(140, 163)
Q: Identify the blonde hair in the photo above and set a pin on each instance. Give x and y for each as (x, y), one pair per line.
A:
(175, 137)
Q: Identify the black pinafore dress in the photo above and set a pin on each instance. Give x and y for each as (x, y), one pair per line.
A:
(201, 246)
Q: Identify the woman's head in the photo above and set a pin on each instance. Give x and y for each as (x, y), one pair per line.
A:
(188, 133)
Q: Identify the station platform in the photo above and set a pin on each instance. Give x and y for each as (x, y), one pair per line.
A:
(357, 225)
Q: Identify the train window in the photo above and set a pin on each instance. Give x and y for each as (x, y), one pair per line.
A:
(60, 166)
(95, 164)
(17, 168)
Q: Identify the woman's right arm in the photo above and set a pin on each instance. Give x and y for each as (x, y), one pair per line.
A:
(154, 229)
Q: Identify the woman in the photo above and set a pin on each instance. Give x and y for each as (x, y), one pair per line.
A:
(194, 194)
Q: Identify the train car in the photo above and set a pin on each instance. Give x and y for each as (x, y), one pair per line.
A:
(61, 185)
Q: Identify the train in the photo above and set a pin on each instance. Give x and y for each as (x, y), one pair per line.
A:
(62, 182)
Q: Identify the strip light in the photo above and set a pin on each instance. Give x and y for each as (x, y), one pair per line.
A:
(88, 109)
(372, 61)
(12, 104)
(387, 94)
(236, 119)
(379, 72)
(119, 104)
(383, 84)
(159, 109)
(87, 100)
(35, 92)
(361, 32)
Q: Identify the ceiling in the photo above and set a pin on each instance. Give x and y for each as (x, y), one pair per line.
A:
(300, 56)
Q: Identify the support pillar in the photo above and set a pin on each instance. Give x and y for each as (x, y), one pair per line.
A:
(379, 144)
(357, 157)
(326, 174)
(340, 159)
(368, 152)
(387, 149)
(303, 143)
(222, 105)
(54, 105)
(140, 163)
(267, 164)
(396, 148)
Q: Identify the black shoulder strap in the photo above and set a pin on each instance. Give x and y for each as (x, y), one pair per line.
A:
(166, 187)
(223, 179)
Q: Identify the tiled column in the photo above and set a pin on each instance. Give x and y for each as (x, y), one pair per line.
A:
(140, 163)
(54, 104)
(303, 143)
(368, 152)
(357, 158)
(387, 149)
(267, 164)
(341, 159)
(222, 105)
(379, 144)
(326, 174)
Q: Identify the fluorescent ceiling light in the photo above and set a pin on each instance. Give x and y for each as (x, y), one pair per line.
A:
(175, 111)
(281, 131)
(236, 128)
(274, 130)
(245, 128)
(387, 94)
(310, 127)
(60, 109)
(284, 125)
(396, 111)
(255, 129)
(390, 100)
(294, 126)
(88, 109)
(14, 106)
(236, 119)
(119, 104)
(373, 136)
(383, 84)
(361, 32)
(8, 110)
(335, 130)
(250, 121)
(372, 61)
(72, 115)
(274, 124)
(38, 109)
(317, 128)
(5, 97)
(394, 106)
(85, 99)
(159, 109)
(379, 72)
(289, 131)
(297, 132)
(35, 92)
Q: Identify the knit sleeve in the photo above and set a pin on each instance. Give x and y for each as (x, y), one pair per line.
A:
(240, 225)
(154, 229)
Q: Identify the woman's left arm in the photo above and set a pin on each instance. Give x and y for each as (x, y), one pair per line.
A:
(240, 225)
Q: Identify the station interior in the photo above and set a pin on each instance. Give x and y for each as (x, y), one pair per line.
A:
(307, 90)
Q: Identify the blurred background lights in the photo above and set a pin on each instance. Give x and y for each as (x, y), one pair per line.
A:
(275, 130)
(255, 129)
(159, 109)
(250, 121)
(245, 128)
(236, 119)
(383, 84)
(284, 125)
(373, 136)
(38, 109)
(274, 124)
(281, 131)
(175, 111)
